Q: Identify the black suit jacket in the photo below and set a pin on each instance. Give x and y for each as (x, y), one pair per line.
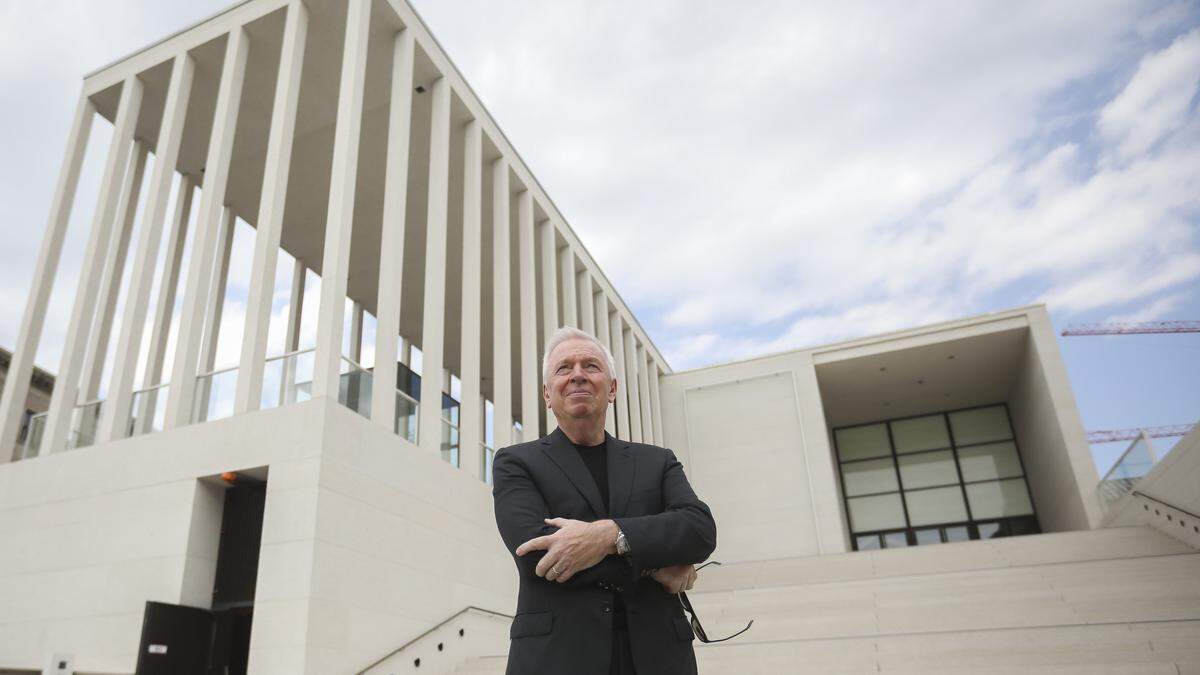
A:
(567, 628)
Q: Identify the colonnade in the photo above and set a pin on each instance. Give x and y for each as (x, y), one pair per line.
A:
(548, 271)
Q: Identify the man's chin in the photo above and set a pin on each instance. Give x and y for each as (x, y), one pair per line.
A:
(578, 411)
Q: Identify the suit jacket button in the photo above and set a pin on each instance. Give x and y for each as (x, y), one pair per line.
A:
(606, 608)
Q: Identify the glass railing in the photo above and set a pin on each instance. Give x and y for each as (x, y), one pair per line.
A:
(1130, 467)
(84, 423)
(214, 395)
(489, 456)
(148, 410)
(354, 387)
(450, 443)
(287, 379)
(406, 417)
(33, 438)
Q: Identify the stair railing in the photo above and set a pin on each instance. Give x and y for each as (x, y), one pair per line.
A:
(465, 610)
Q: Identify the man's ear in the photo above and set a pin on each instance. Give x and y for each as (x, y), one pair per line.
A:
(612, 391)
(546, 396)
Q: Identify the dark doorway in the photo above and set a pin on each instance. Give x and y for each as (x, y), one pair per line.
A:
(237, 572)
(180, 640)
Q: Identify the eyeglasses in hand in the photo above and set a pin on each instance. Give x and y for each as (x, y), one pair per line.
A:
(700, 633)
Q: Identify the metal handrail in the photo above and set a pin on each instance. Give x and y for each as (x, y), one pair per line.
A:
(1166, 504)
(288, 354)
(409, 398)
(218, 371)
(144, 390)
(356, 364)
(441, 623)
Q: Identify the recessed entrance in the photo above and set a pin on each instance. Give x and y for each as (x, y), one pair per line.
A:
(183, 640)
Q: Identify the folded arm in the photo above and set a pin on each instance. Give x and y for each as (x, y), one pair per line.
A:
(684, 533)
(521, 515)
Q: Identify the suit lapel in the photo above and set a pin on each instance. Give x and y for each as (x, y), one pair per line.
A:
(559, 449)
(621, 471)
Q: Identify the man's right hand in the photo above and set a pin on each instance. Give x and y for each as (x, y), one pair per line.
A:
(676, 578)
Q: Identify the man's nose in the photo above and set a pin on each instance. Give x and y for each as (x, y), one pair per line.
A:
(577, 374)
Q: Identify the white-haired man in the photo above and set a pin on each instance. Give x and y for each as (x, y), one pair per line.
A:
(604, 533)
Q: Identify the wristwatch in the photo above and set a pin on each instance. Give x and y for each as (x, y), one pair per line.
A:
(622, 543)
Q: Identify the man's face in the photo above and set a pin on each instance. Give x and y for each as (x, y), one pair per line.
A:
(579, 385)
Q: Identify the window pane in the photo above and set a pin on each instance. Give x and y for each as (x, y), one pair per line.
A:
(980, 425)
(870, 476)
(957, 533)
(863, 442)
(928, 469)
(881, 512)
(939, 505)
(921, 433)
(988, 462)
(930, 536)
(989, 530)
(895, 540)
(999, 498)
(868, 542)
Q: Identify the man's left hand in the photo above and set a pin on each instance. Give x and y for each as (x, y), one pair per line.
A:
(576, 546)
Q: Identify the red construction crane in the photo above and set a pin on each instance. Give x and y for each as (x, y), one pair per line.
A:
(1112, 435)
(1131, 328)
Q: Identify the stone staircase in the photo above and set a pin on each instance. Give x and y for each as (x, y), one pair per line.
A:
(1119, 600)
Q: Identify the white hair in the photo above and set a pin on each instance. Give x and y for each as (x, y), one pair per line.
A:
(569, 333)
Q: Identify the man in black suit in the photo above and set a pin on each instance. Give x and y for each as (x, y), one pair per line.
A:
(604, 533)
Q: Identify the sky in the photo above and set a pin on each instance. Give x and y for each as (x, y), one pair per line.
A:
(760, 176)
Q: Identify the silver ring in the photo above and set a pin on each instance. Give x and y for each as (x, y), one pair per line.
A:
(556, 570)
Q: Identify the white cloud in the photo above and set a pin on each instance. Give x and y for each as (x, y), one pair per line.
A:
(772, 175)
(1157, 101)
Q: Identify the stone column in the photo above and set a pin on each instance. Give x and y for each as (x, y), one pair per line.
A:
(587, 312)
(603, 333)
(644, 395)
(164, 307)
(335, 265)
(220, 281)
(116, 412)
(197, 291)
(291, 338)
(433, 332)
(470, 421)
(110, 283)
(566, 269)
(269, 226)
(632, 391)
(656, 404)
(617, 345)
(29, 336)
(391, 238)
(216, 307)
(355, 338)
(549, 255)
(66, 382)
(502, 409)
(531, 379)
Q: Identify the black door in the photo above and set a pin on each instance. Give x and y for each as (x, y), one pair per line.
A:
(176, 640)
